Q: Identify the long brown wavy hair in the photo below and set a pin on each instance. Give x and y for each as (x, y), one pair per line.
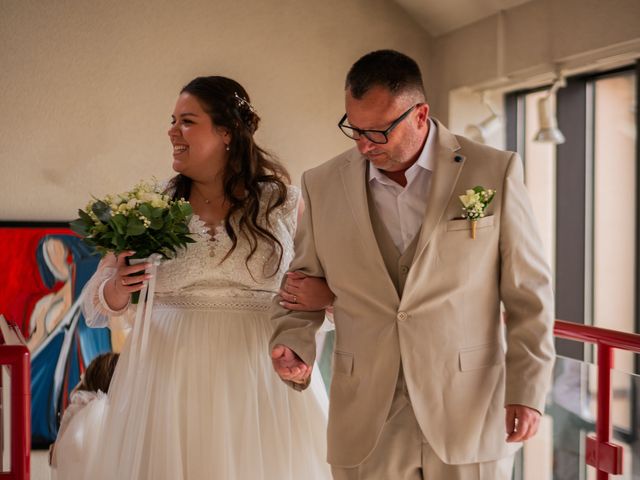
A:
(249, 168)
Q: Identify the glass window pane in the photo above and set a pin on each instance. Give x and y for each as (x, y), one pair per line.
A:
(572, 408)
(614, 203)
(540, 175)
(614, 254)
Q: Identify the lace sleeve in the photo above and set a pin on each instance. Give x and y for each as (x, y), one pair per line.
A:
(94, 306)
(290, 209)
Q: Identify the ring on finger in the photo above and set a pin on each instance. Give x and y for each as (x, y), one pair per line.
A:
(123, 282)
(295, 299)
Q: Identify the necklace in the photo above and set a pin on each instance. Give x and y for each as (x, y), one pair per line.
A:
(206, 200)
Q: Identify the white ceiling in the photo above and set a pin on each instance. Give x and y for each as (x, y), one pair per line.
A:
(442, 16)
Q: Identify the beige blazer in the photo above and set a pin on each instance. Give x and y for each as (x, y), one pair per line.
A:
(462, 363)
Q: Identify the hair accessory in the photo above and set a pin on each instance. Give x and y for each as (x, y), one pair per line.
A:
(243, 103)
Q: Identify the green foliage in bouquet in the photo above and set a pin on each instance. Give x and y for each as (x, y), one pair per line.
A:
(143, 220)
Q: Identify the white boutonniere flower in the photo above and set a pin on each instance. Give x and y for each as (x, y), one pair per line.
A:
(474, 203)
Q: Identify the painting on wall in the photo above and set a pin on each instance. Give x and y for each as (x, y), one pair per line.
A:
(43, 269)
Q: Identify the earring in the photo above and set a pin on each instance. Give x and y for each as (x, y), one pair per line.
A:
(228, 148)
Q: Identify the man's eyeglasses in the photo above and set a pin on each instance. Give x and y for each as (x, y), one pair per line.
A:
(375, 136)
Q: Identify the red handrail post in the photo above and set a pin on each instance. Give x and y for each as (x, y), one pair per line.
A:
(601, 453)
(605, 364)
(605, 456)
(18, 358)
(21, 412)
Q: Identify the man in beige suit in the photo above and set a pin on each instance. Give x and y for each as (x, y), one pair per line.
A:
(426, 373)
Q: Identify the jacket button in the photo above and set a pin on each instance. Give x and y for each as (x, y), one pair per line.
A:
(404, 269)
(402, 316)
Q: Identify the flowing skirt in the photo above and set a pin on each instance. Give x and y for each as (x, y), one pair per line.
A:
(198, 399)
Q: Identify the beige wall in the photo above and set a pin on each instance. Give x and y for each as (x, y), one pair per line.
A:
(87, 88)
(527, 43)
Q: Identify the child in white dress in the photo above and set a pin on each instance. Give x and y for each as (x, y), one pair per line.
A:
(77, 434)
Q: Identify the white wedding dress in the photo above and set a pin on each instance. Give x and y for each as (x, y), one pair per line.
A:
(195, 397)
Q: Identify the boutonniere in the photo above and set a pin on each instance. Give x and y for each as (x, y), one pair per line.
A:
(474, 203)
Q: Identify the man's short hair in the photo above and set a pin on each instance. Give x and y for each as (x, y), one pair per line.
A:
(389, 69)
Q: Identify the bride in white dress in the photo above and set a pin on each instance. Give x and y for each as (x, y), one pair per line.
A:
(197, 398)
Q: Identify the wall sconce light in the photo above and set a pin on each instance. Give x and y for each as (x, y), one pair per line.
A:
(479, 132)
(549, 131)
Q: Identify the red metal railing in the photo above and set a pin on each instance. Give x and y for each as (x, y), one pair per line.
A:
(15, 354)
(602, 454)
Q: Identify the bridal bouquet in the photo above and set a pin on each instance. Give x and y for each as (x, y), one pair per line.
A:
(143, 220)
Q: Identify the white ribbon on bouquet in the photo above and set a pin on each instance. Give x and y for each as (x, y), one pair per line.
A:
(138, 358)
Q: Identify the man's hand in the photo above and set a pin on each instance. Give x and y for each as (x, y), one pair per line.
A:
(289, 365)
(521, 422)
(303, 293)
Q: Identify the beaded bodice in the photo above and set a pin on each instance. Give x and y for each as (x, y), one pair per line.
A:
(202, 271)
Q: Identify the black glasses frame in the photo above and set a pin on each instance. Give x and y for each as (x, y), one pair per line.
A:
(356, 133)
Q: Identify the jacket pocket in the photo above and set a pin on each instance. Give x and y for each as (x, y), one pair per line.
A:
(342, 362)
(465, 224)
(481, 356)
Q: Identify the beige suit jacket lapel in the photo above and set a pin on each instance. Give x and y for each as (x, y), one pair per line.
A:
(448, 166)
(353, 174)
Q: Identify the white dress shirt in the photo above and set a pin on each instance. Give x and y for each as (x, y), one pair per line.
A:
(402, 209)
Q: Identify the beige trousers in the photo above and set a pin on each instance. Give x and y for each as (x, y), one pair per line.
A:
(402, 453)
